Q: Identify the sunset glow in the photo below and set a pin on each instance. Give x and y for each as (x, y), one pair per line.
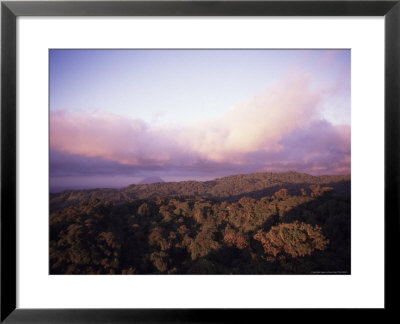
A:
(118, 116)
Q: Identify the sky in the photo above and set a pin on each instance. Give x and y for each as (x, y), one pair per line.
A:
(118, 117)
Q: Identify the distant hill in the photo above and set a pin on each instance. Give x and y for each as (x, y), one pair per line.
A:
(230, 188)
(150, 180)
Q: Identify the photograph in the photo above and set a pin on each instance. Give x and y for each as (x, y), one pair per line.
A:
(199, 161)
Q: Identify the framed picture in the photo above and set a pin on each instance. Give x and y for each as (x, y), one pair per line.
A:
(174, 160)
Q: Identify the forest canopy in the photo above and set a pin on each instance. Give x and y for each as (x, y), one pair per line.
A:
(264, 223)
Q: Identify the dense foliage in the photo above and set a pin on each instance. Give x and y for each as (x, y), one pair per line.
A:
(229, 229)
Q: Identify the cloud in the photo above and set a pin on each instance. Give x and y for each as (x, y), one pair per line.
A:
(277, 130)
(321, 148)
(259, 123)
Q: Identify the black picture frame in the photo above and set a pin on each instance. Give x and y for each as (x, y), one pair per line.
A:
(10, 10)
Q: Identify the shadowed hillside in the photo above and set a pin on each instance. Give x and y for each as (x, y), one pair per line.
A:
(229, 188)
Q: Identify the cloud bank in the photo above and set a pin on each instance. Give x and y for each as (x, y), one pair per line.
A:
(277, 130)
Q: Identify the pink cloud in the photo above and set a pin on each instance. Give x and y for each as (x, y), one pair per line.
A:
(258, 124)
(108, 136)
(276, 130)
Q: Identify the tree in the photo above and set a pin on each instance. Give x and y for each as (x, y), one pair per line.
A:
(204, 243)
(282, 194)
(160, 260)
(231, 238)
(291, 240)
(144, 210)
